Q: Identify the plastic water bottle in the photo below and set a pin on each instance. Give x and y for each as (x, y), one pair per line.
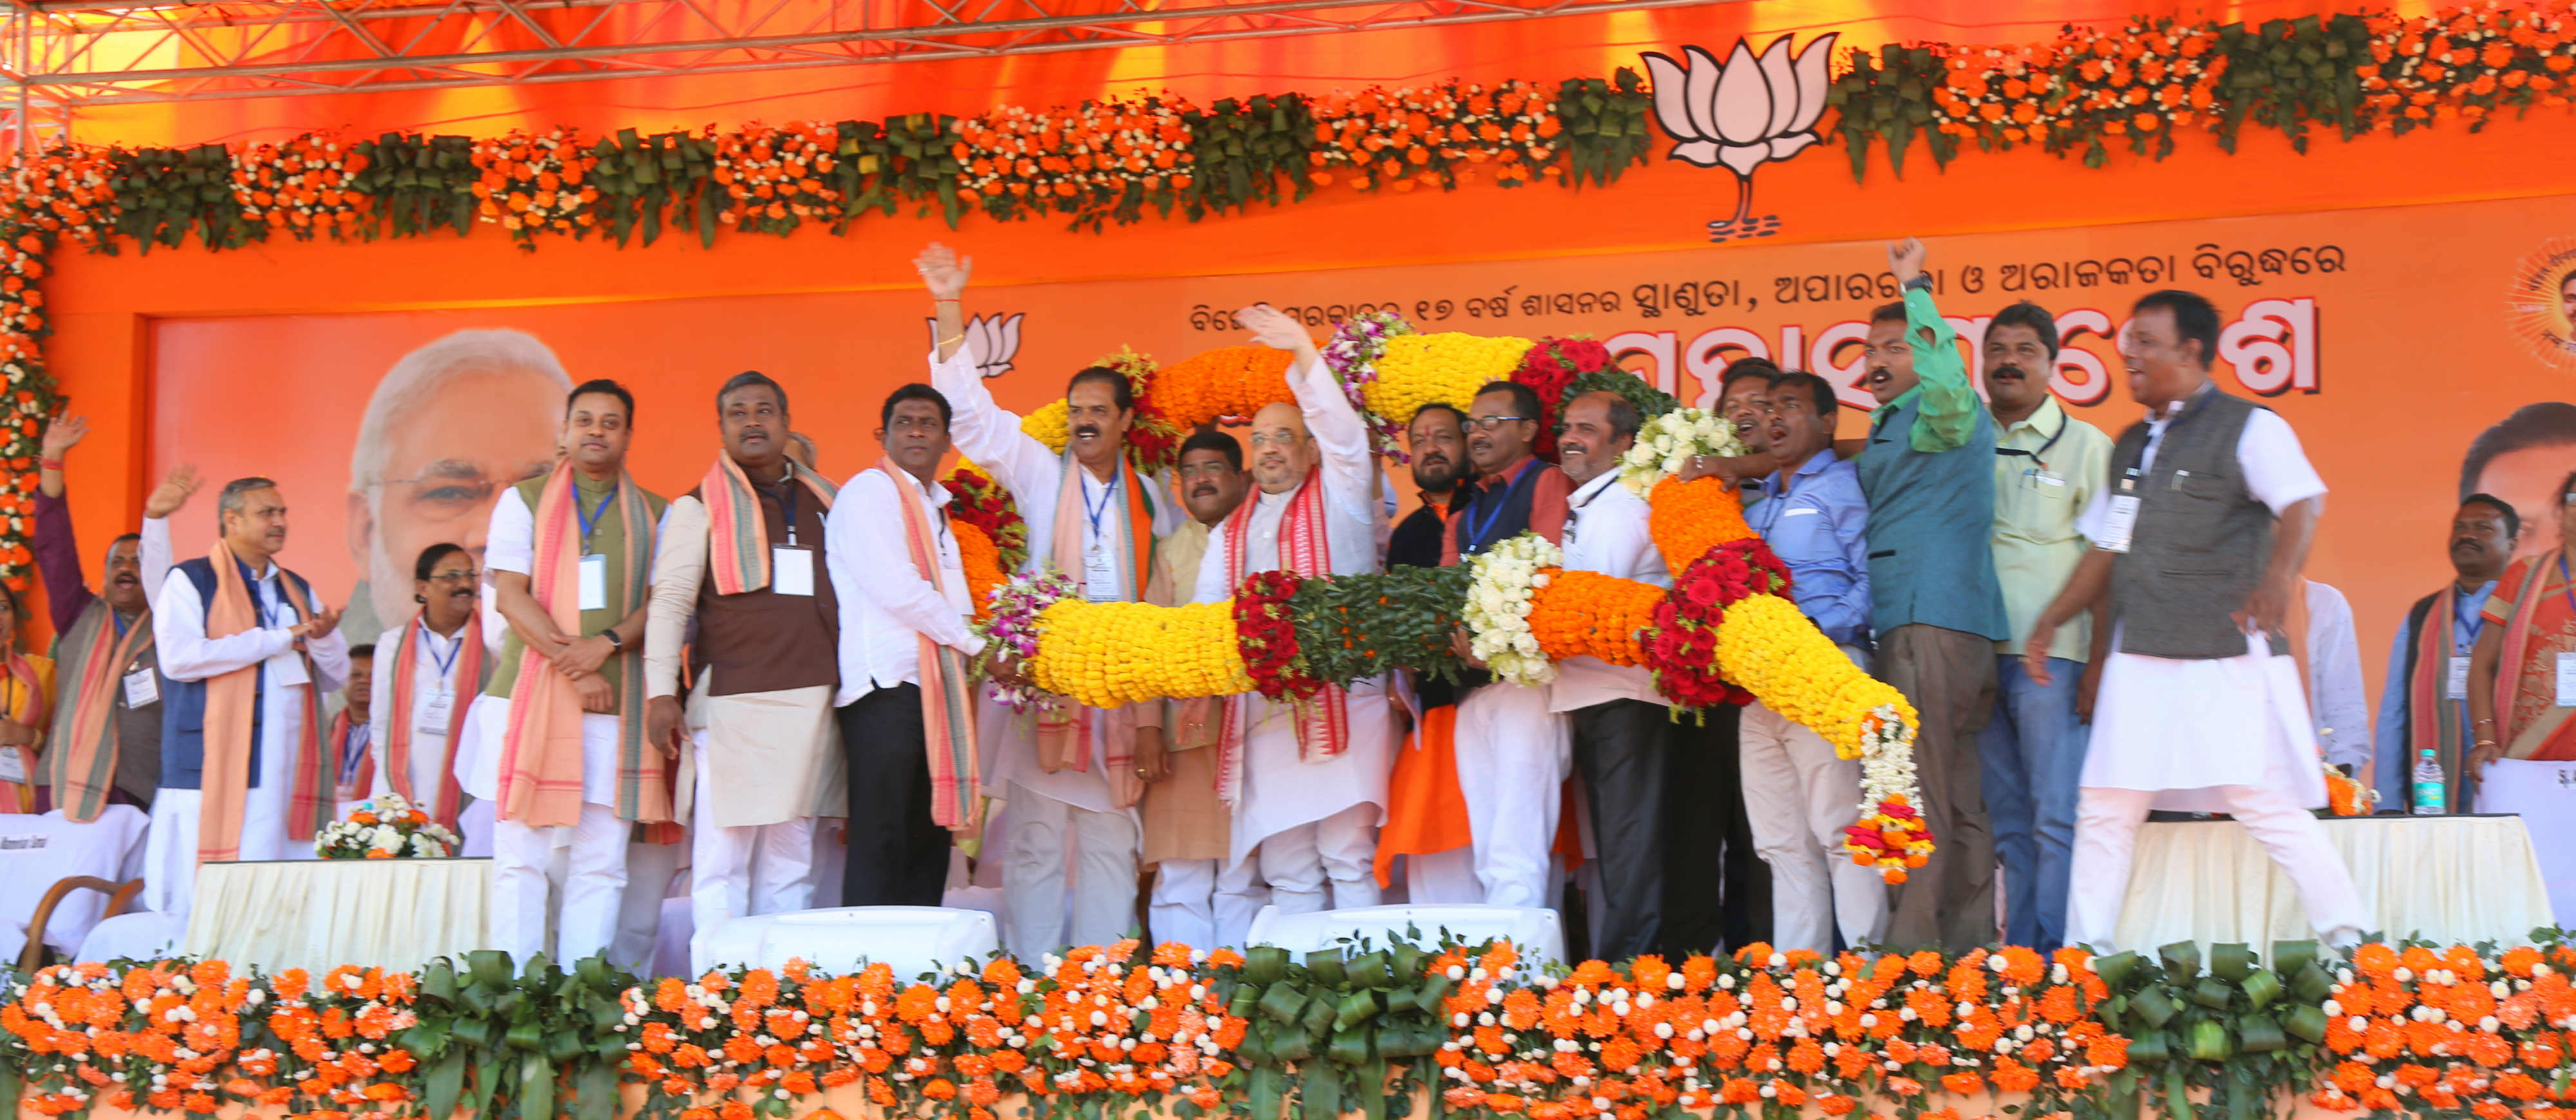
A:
(2429, 786)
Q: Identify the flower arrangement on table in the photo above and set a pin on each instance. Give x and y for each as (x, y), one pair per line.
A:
(387, 827)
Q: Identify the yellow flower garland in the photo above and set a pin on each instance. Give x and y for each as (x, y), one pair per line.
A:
(1771, 649)
(1049, 426)
(1420, 369)
(1107, 654)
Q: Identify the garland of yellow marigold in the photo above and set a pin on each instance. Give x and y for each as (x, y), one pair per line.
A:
(1104, 655)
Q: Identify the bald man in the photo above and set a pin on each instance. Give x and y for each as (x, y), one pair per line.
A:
(1306, 782)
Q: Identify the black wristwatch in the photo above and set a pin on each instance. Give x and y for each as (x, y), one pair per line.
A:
(614, 642)
(1921, 280)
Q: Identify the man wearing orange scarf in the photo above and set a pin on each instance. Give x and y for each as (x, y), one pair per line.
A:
(426, 670)
(1306, 781)
(1094, 519)
(247, 650)
(562, 753)
(743, 557)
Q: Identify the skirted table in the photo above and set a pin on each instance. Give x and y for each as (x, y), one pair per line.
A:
(2461, 879)
(320, 914)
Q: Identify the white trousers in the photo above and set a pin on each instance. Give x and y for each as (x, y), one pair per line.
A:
(2106, 841)
(1798, 798)
(1512, 758)
(1104, 850)
(746, 870)
(588, 887)
(650, 869)
(1442, 877)
(1339, 851)
(1202, 907)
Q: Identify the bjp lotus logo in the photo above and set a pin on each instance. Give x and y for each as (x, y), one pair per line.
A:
(1741, 114)
(992, 339)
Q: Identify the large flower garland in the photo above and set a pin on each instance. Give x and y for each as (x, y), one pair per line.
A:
(2404, 1029)
(1265, 633)
(1420, 369)
(1505, 581)
(1352, 353)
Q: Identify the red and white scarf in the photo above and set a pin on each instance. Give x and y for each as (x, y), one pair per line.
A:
(468, 679)
(1305, 548)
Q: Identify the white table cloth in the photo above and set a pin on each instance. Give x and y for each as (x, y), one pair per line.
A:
(38, 851)
(2460, 879)
(320, 914)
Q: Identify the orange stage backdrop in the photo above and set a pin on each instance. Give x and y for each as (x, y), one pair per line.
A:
(2376, 308)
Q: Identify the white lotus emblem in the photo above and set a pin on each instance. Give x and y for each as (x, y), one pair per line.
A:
(1742, 113)
(993, 340)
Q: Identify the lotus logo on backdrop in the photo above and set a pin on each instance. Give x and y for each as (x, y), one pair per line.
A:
(1741, 114)
(993, 340)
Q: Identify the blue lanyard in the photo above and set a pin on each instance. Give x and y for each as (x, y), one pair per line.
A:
(119, 619)
(444, 663)
(590, 521)
(1474, 540)
(1106, 493)
(2563, 589)
(789, 503)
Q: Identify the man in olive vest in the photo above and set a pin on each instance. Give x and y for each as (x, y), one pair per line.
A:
(2198, 541)
(563, 757)
(742, 556)
(1928, 472)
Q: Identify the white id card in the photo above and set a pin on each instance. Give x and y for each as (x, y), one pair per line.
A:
(791, 570)
(432, 724)
(594, 582)
(13, 765)
(1099, 577)
(2567, 680)
(141, 689)
(2455, 686)
(2117, 523)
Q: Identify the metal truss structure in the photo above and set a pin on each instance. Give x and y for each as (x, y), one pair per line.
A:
(63, 55)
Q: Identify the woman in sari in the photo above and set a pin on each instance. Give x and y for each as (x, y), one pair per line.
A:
(2518, 707)
(24, 690)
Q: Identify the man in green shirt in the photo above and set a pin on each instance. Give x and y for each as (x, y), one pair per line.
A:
(2048, 465)
(1928, 472)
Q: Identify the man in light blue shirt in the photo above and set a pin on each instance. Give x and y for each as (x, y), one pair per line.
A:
(1799, 795)
(2422, 659)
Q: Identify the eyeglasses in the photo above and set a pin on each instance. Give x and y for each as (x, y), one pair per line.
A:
(1282, 438)
(1489, 423)
(441, 498)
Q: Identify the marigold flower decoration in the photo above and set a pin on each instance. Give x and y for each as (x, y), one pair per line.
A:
(64, 190)
(1104, 655)
(1447, 368)
(1549, 368)
(1226, 381)
(775, 178)
(1681, 642)
(1687, 519)
(536, 182)
(976, 499)
(981, 561)
(1436, 136)
(302, 186)
(1080, 161)
(1587, 614)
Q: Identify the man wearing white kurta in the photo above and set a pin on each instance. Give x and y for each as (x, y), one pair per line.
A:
(1072, 786)
(288, 649)
(1307, 782)
(2198, 541)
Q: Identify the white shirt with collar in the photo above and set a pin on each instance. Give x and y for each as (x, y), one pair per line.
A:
(433, 670)
(1606, 532)
(886, 605)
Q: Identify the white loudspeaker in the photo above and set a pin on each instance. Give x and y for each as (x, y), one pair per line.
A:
(913, 939)
(1537, 933)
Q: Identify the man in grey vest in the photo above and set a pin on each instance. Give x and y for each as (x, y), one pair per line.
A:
(2198, 541)
(1928, 472)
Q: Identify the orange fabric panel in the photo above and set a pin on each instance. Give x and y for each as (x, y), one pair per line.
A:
(1425, 813)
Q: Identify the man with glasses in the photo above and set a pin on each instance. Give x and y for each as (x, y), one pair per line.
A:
(2048, 466)
(1512, 750)
(450, 426)
(424, 673)
(1306, 781)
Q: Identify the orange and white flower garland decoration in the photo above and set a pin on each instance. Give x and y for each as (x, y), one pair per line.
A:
(531, 183)
(1507, 578)
(1099, 148)
(773, 177)
(1430, 135)
(303, 186)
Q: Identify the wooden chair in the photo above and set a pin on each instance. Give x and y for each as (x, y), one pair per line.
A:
(119, 896)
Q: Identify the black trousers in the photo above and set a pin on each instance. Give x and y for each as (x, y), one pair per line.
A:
(1717, 890)
(898, 855)
(1620, 749)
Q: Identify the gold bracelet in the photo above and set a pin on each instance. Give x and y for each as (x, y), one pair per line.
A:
(953, 341)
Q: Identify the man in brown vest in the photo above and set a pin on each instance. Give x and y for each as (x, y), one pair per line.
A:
(742, 556)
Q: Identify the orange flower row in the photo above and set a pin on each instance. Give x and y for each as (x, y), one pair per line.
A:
(1100, 146)
(302, 185)
(982, 561)
(1435, 136)
(773, 177)
(1587, 614)
(1689, 518)
(532, 183)
(1227, 381)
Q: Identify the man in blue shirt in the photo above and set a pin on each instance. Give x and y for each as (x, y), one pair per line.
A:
(2430, 658)
(1799, 794)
